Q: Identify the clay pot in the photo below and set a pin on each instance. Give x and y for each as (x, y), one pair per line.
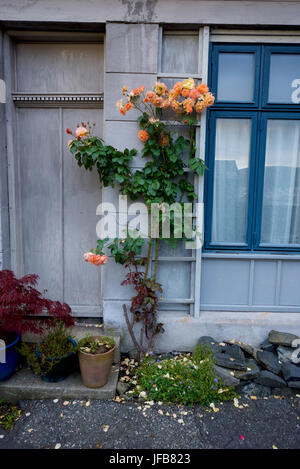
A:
(95, 368)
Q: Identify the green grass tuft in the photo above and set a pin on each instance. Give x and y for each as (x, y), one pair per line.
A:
(185, 379)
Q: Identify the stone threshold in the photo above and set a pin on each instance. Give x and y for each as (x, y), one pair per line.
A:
(25, 385)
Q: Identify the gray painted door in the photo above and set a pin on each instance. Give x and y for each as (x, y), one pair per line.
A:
(57, 199)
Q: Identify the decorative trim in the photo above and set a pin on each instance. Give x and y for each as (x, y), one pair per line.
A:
(24, 99)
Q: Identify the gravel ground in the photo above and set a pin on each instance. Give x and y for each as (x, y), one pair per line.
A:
(262, 423)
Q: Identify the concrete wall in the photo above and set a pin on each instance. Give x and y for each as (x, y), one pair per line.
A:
(164, 11)
(131, 59)
(4, 223)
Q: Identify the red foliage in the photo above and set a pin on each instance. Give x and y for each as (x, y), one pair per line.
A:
(20, 302)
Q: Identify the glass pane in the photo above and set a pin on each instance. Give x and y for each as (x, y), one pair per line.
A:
(180, 54)
(281, 198)
(284, 69)
(231, 180)
(236, 77)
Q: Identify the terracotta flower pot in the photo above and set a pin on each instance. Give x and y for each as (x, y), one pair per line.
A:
(95, 368)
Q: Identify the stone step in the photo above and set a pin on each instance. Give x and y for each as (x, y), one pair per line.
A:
(26, 385)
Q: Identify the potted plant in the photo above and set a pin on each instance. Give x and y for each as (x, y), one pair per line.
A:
(23, 309)
(96, 355)
(55, 357)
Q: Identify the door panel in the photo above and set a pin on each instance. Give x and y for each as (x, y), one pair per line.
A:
(40, 193)
(81, 195)
(59, 67)
(57, 199)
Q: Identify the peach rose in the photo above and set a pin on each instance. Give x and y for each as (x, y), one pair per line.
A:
(81, 132)
(143, 135)
(95, 259)
(70, 143)
(203, 88)
(128, 106)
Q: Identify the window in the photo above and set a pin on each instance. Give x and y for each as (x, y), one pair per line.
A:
(252, 187)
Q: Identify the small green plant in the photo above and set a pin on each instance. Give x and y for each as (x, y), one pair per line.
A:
(56, 345)
(185, 379)
(8, 415)
(97, 345)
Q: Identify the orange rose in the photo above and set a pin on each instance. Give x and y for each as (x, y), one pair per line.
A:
(122, 111)
(209, 99)
(124, 89)
(141, 89)
(160, 88)
(188, 105)
(81, 132)
(177, 87)
(185, 93)
(200, 106)
(203, 88)
(128, 106)
(95, 259)
(194, 94)
(143, 135)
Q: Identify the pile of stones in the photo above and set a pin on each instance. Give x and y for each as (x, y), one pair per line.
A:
(270, 369)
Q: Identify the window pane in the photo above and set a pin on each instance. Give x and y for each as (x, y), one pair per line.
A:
(236, 77)
(284, 69)
(180, 54)
(231, 177)
(281, 198)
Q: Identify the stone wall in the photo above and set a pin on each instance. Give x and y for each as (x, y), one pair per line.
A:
(131, 53)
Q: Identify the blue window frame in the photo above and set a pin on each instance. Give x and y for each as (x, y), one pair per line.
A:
(252, 186)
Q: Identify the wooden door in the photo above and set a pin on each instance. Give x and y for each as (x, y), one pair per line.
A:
(57, 85)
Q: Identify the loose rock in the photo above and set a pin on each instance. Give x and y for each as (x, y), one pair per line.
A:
(268, 347)
(269, 361)
(252, 370)
(225, 375)
(282, 338)
(285, 354)
(122, 387)
(291, 372)
(266, 378)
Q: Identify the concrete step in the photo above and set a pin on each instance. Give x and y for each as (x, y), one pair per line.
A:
(26, 385)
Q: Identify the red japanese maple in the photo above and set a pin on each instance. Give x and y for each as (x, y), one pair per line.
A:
(24, 309)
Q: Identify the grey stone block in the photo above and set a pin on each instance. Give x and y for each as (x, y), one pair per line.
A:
(131, 47)
(254, 389)
(209, 343)
(25, 385)
(266, 378)
(294, 384)
(282, 338)
(291, 372)
(269, 361)
(252, 370)
(285, 354)
(226, 376)
(268, 347)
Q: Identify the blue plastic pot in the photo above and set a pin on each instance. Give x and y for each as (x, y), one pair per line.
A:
(11, 359)
(61, 370)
